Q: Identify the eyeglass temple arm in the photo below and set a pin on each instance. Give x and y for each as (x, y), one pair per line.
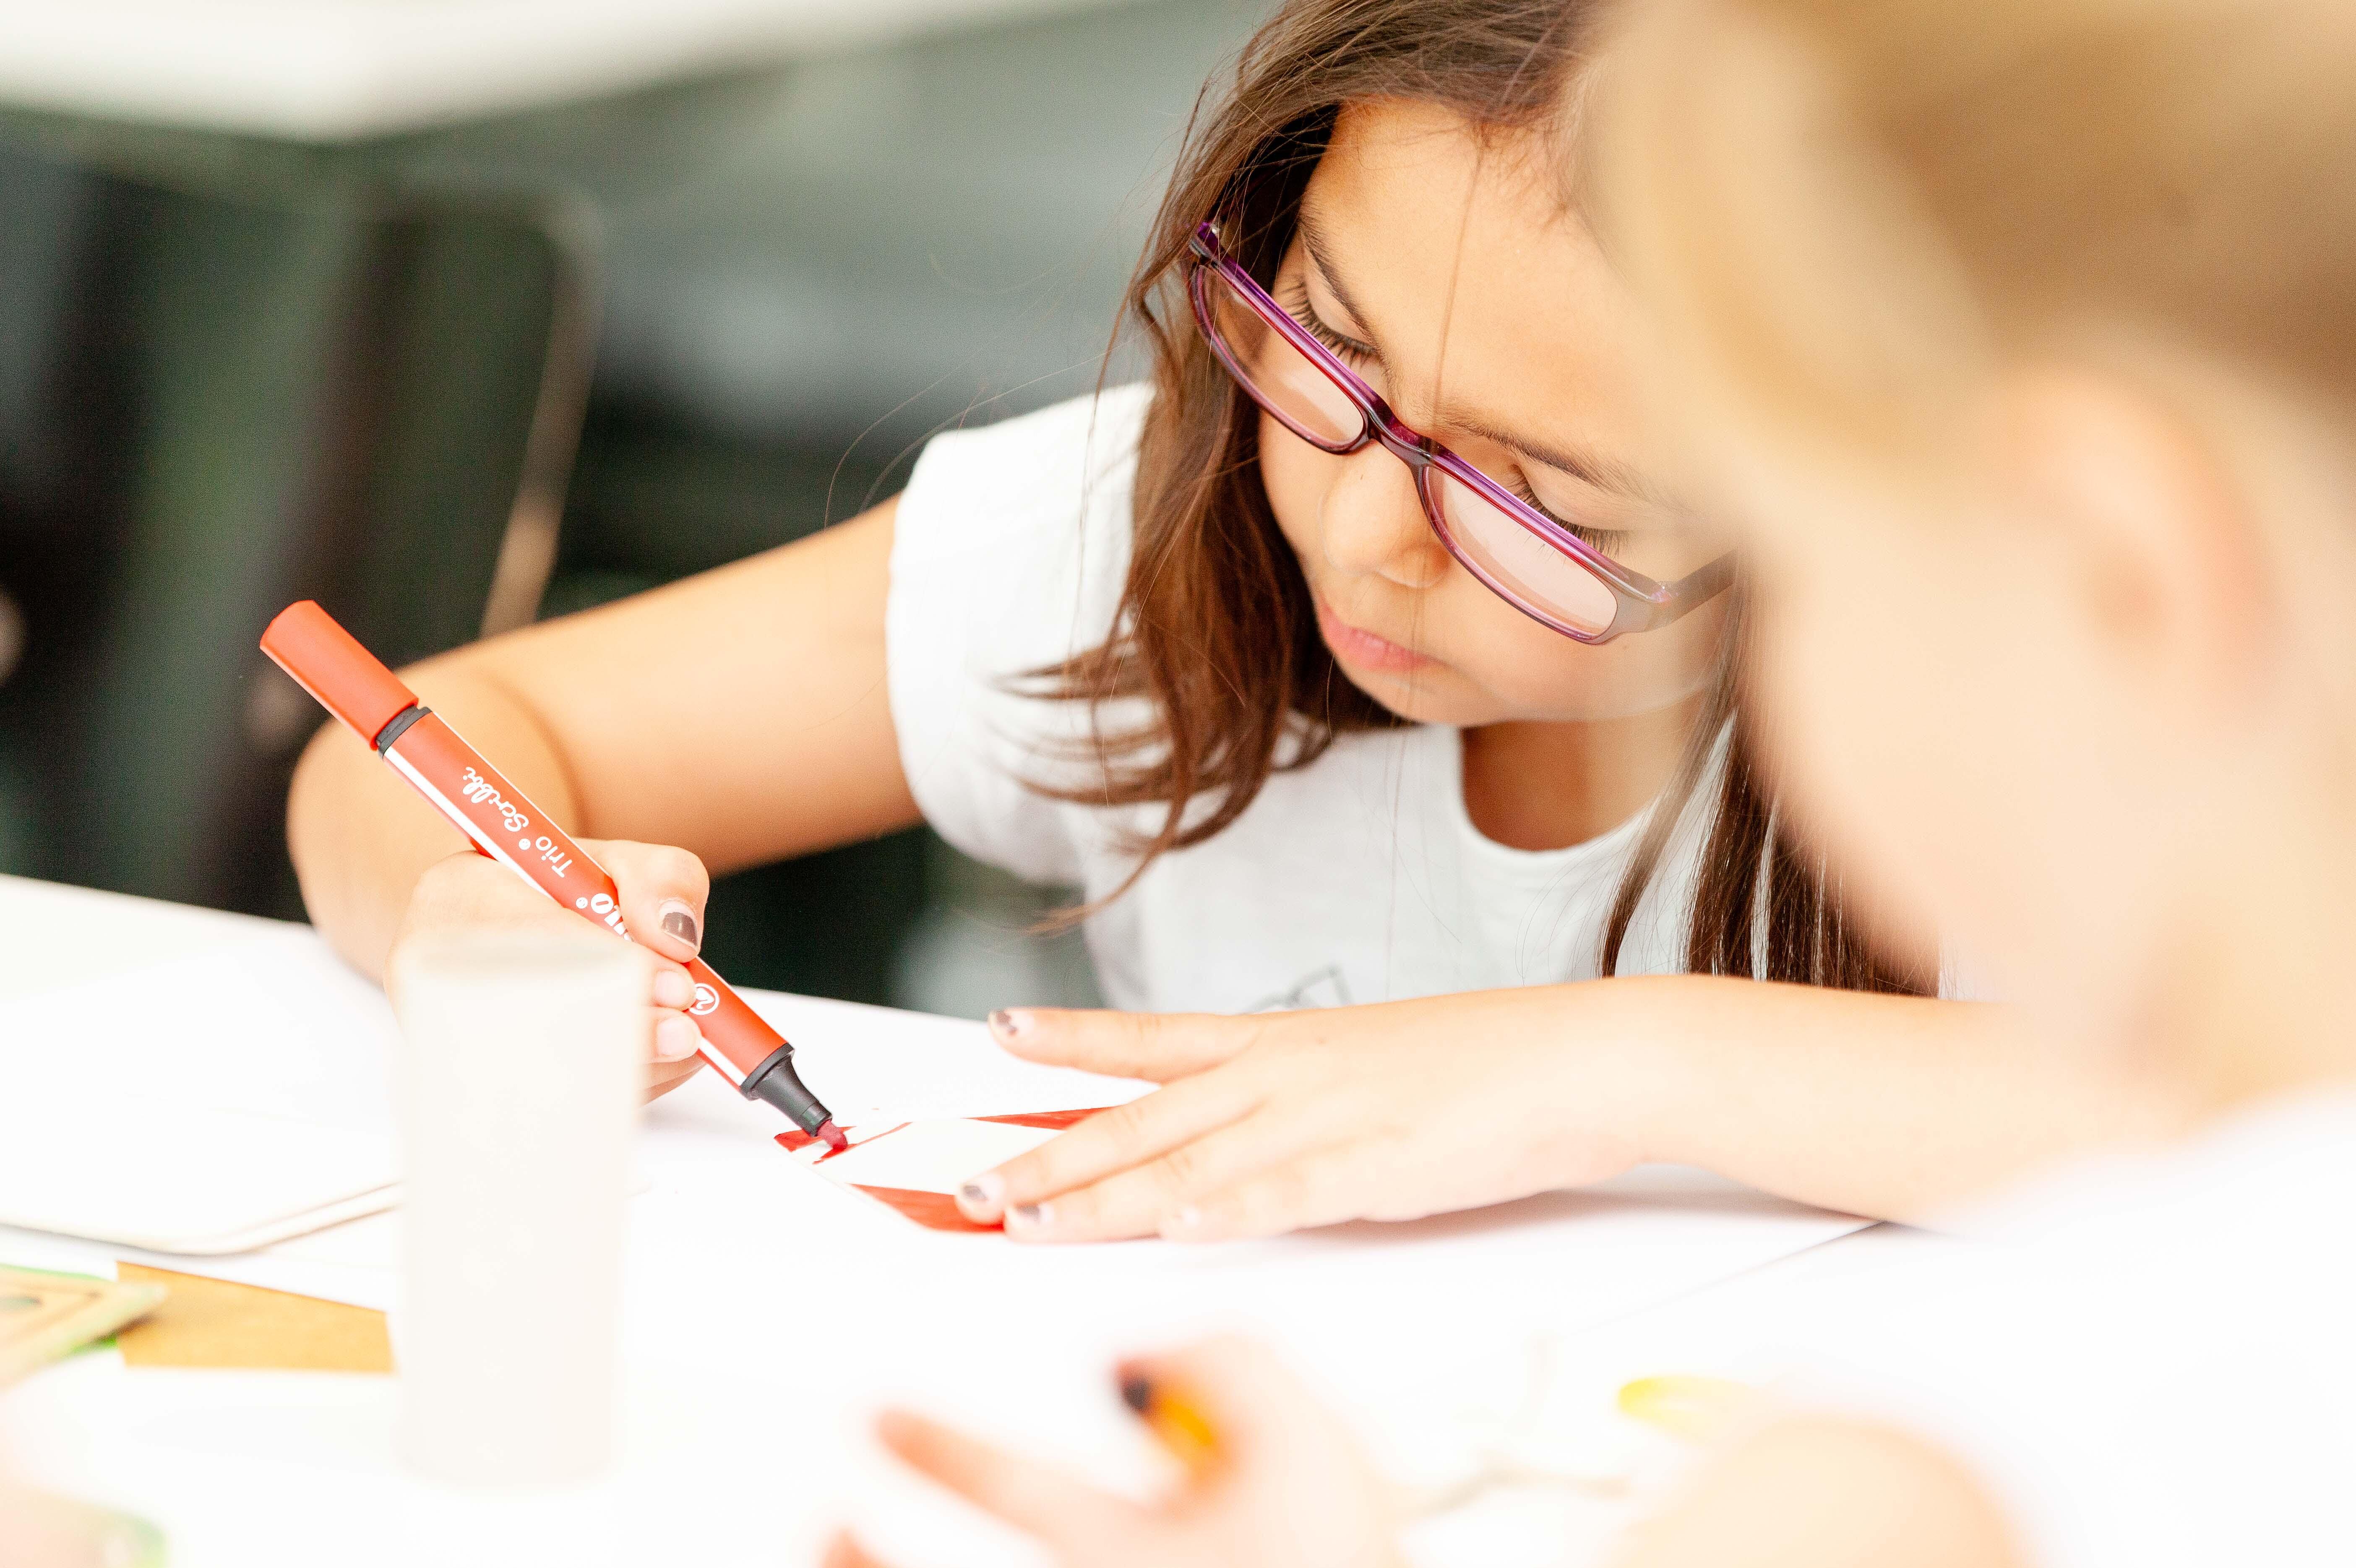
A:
(1690, 592)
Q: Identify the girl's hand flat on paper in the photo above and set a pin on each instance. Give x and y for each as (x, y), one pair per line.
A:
(1274, 1122)
(663, 891)
(1287, 1485)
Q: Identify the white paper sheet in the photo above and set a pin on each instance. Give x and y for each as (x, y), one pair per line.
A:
(871, 1063)
(185, 1114)
(925, 1156)
(276, 1025)
(183, 1181)
(208, 1105)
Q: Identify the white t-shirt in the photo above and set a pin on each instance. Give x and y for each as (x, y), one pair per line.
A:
(1358, 878)
(2154, 1362)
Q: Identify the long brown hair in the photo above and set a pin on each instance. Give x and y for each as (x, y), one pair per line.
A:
(1216, 630)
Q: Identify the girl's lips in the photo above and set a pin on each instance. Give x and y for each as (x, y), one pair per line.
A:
(1364, 650)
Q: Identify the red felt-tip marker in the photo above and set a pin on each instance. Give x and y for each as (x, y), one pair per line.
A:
(351, 683)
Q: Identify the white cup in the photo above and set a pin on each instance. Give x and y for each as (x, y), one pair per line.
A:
(517, 1092)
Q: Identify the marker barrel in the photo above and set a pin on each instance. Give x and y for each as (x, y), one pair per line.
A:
(348, 680)
(506, 826)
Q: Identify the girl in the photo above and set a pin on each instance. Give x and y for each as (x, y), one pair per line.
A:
(2030, 322)
(1362, 654)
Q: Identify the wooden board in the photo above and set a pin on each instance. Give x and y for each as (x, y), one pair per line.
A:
(214, 1323)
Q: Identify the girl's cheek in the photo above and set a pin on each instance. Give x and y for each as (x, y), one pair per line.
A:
(1547, 676)
(1294, 476)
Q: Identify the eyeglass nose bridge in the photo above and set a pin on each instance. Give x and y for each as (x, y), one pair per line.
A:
(1382, 428)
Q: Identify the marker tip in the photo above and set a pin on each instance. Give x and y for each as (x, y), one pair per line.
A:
(832, 1136)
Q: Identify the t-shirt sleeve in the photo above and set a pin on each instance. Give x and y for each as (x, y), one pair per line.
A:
(1008, 556)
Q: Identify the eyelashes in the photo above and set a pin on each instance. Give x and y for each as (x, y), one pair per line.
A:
(1607, 541)
(1351, 352)
(1348, 349)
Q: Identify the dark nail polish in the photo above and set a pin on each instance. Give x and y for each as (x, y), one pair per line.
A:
(681, 924)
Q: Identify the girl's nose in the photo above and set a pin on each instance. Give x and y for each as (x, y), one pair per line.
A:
(1372, 524)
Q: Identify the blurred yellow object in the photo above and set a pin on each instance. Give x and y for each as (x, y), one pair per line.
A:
(216, 1323)
(1181, 1429)
(1694, 1408)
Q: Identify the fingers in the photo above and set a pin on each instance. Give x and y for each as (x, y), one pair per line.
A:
(1155, 1046)
(662, 1077)
(1151, 1197)
(466, 892)
(1264, 1420)
(1044, 1502)
(471, 890)
(663, 893)
(1113, 1141)
(1236, 1385)
(674, 1034)
(1324, 1187)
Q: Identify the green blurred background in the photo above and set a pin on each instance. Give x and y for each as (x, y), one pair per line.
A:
(235, 372)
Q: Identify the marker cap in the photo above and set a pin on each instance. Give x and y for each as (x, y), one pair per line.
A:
(326, 661)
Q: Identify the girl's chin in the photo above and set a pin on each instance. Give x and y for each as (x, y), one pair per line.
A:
(1431, 695)
(1439, 694)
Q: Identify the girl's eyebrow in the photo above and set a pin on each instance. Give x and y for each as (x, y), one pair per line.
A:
(1605, 474)
(1312, 240)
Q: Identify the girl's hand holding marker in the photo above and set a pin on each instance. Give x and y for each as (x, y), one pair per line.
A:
(663, 891)
(420, 751)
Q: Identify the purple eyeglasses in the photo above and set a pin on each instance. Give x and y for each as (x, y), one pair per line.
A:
(1525, 557)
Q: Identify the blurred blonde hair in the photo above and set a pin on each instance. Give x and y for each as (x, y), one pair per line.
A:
(1849, 212)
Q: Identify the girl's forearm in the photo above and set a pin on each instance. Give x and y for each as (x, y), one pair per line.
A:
(360, 837)
(1890, 1106)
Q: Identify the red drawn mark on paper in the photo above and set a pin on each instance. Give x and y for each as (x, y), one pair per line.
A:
(933, 1210)
(1054, 1121)
(858, 1143)
(796, 1140)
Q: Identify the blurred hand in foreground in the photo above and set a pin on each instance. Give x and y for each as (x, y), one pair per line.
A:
(1283, 1483)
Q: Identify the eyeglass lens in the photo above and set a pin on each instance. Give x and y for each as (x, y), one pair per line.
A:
(1279, 376)
(1517, 563)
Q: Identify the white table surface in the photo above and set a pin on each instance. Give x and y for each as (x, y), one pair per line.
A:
(339, 71)
(260, 1469)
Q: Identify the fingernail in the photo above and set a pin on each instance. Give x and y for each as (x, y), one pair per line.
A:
(673, 989)
(680, 921)
(676, 1038)
(1008, 1024)
(1032, 1216)
(984, 1191)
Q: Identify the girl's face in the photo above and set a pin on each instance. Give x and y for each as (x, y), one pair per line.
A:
(1443, 270)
